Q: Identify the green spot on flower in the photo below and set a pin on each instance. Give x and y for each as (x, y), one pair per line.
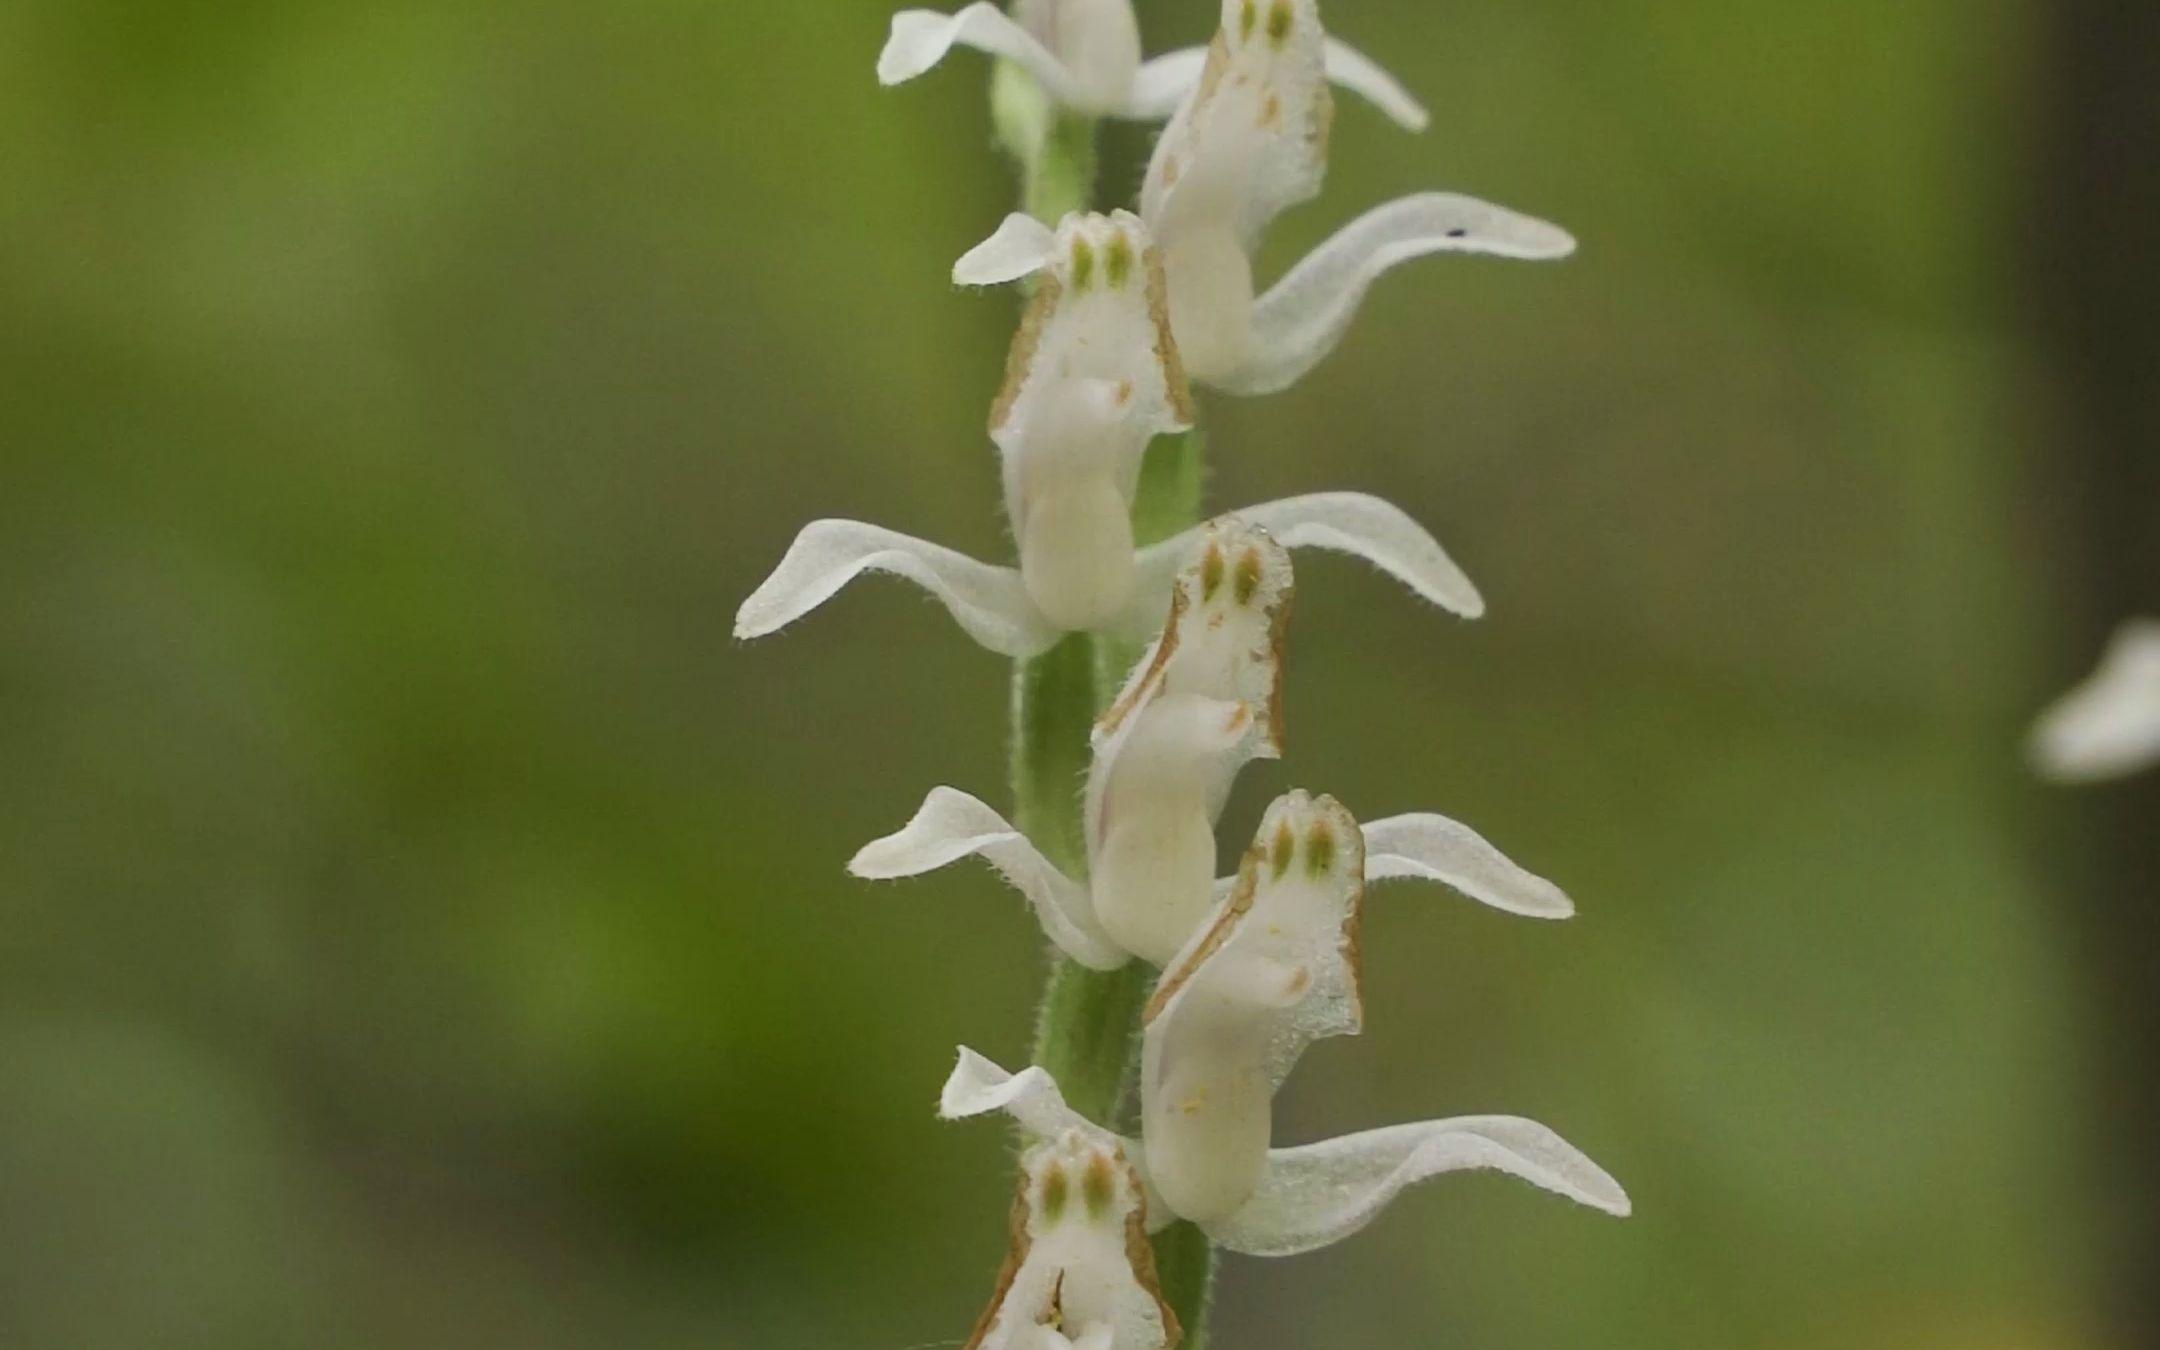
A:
(1285, 846)
(1117, 262)
(1211, 573)
(1083, 264)
(1320, 850)
(1054, 1195)
(1248, 576)
(1246, 20)
(1098, 1187)
(1279, 22)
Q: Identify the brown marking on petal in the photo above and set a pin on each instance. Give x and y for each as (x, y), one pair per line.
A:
(1008, 1272)
(1233, 913)
(1352, 840)
(1271, 111)
(1141, 1253)
(1140, 691)
(1177, 389)
(1020, 359)
(1278, 639)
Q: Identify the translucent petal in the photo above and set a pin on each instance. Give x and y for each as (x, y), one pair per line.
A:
(1163, 83)
(1356, 523)
(1302, 318)
(978, 1087)
(1322, 1193)
(1363, 76)
(922, 37)
(1434, 848)
(2110, 725)
(951, 825)
(989, 602)
(1021, 246)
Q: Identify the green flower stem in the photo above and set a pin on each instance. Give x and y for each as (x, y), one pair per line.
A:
(1087, 1029)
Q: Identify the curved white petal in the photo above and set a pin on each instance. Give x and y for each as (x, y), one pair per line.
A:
(1363, 76)
(978, 1087)
(1162, 84)
(2110, 725)
(1322, 1193)
(1356, 523)
(921, 38)
(1434, 848)
(951, 825)
(1021, 246)
(1302, 318)
(989, 602)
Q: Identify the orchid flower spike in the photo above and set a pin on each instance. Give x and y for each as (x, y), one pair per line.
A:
(1080, 1273)
(1202, 703)
(1093, 375)
(1318, 1194)
(1250, 142)
(2109, 725)
(1086, 56)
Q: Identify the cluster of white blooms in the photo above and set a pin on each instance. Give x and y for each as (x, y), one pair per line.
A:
(2109, 725)
(1126, 309)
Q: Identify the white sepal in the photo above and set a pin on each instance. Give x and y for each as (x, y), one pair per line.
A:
(1021, 246)
(1434, 848)
(977, 1087)
(951, 825)
(1321, 1193)
(1303, 316)
(1162, 83)
(1080, 1272)
(1355, 523)
(2109, 725)
(1361, 75)
(989, 602)
(921, 38)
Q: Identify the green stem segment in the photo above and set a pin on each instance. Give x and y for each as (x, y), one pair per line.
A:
(1087, 1030)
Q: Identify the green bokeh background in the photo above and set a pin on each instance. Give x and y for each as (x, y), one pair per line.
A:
(422, 925)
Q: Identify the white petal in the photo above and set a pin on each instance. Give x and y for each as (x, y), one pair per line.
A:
(951, 825)
(2110, 725)
(1162, 84)
(1021, 246)
(989, 602)
(921, 38)
(1363, 76)
(1302, 318)
(1321, 1193)
(1345, 522)
(1434, 848)
(977, 1087)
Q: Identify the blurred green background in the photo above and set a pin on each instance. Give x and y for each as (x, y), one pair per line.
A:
(424, 926)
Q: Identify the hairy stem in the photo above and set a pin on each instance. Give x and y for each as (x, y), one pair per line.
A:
(1087, 1029)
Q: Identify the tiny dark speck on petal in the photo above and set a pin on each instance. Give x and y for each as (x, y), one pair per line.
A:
(1458, 233)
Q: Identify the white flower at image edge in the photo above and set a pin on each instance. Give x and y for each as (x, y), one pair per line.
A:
(1251, 141)
(1086, 55)
(2110, 725)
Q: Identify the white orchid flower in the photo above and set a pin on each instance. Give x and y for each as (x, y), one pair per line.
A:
(1080, 1274)
(2109, 725)
(1093, 376)
(1203, 702)
(1086, 55)
(1250, 142)
(1318, 1194)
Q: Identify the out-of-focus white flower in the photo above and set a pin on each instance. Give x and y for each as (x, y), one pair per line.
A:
(2109, 725)
(1086, 56)
(1251, 141)
(1080, 1274)
(1202, 703)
